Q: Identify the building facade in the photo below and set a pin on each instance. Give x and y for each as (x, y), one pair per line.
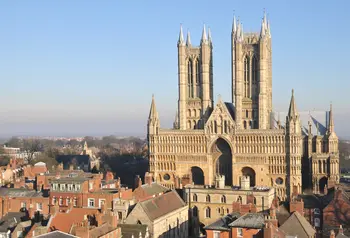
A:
(243, 137)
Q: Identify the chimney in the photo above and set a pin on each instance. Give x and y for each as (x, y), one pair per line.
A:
(236, 207)
(332, 235)
(297, 206)
(98, 217)
(272, 218)
(148, 178)
(71, 167)
(245, 183)
(109, 176)
(341, 231)
(82, 229)
(219, 181)
(113, 220)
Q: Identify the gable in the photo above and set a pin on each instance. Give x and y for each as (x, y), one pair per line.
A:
(221, 120)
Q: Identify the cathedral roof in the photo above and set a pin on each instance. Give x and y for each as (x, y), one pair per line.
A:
(231, 109)
(318, 121)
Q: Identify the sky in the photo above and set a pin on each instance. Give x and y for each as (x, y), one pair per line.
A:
(75, 68)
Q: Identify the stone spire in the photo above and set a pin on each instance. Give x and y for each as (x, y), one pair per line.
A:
(188, 40)
(204, 36)
(153, 114)
(242, 33)
(209, 35)
(181, 37)
(331, 121)
(292, 113)
(263, 29)
(234, 25)
(268, 28)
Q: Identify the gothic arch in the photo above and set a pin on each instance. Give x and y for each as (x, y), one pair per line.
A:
(248, 171)
(222, 153)
(197, 175)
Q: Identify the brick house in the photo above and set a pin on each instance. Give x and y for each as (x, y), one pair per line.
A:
(13, 199)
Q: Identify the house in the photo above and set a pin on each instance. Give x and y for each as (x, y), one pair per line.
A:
(165, 215)
(13, 200)
(148, 190)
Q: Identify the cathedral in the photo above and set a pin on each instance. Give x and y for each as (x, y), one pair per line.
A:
(244, 137)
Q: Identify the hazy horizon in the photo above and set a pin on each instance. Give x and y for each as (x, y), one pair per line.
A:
(90, 68)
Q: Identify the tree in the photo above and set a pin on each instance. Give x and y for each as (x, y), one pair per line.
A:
(30, 147)
(49, 161)
(14, 142)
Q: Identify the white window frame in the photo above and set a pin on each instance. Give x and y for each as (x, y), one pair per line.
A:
(62, 187)
(216, 234)
(91, 185)
(60, 201)
(75, 202)
(89, 200)
(25, 205)
(239, 232)
(39, 206)
(99, 202)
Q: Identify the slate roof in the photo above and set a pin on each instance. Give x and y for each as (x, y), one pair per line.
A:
(222, 223)
(249, 220)
(282, 214)
(129, 230)
(154, 188)
(19, 192)
(161, 205)
(56, 234)
(298, 226)
(11, 220)
(231, 109)
(317, 118)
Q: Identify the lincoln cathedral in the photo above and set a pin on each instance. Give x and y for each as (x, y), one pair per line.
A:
(289, 151)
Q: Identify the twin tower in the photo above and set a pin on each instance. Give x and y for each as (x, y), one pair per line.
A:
(251, 78)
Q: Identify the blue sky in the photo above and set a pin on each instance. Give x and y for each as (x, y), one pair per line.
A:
(90, 67)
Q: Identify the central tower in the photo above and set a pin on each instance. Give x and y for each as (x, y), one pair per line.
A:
(251, 76)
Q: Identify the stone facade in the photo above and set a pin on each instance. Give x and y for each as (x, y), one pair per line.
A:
(242, 137)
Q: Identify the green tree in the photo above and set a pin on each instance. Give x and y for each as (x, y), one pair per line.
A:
(30, 147)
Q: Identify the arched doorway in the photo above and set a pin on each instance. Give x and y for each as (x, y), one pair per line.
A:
(247, 171)
(223, 160)
(322, 183)
(197, 175)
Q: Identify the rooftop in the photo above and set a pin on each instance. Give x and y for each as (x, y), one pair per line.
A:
(222, 223)
(19, 192)
(249, 220)
(56, 234)
(161, 205)
(11, 220)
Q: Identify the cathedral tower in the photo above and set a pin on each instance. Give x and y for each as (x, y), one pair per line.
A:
(251, 76)
(195, 72)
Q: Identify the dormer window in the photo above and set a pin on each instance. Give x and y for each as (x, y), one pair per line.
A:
(62, 187)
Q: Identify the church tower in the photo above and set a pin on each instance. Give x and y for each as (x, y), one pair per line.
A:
(195, 70)
(251, 76)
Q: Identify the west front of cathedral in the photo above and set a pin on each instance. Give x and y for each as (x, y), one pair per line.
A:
(244, 137)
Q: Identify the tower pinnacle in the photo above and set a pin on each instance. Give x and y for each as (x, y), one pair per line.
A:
(234, 25)
(188, 40)
(331, 120)
(153, 114)
(292, 113)
(181, 37)
(204, 36)
(209, 35)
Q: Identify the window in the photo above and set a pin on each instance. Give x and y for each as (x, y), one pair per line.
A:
(216, 234)
(23, 205)
(317, 222)
(239, 199)
(166, 177)
(55, 186)
(223, 199)
(101, 202)
(62, 187)
(91, 185)
(219, 210)
(254, 70)
(317, 211)
(195, 211)
(120, 215)
(53, 200)
(190, 79)
(77, 187)
(246, 77)
(207, 199)
(75, 202)
(91, 202)
(254, 201)
(70, 187)
(207, 212)
(195, 198)
(61, 201)
(39, 206)
(240, 232)
(67, 201)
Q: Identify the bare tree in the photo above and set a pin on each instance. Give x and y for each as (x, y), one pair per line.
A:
(30, 147)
